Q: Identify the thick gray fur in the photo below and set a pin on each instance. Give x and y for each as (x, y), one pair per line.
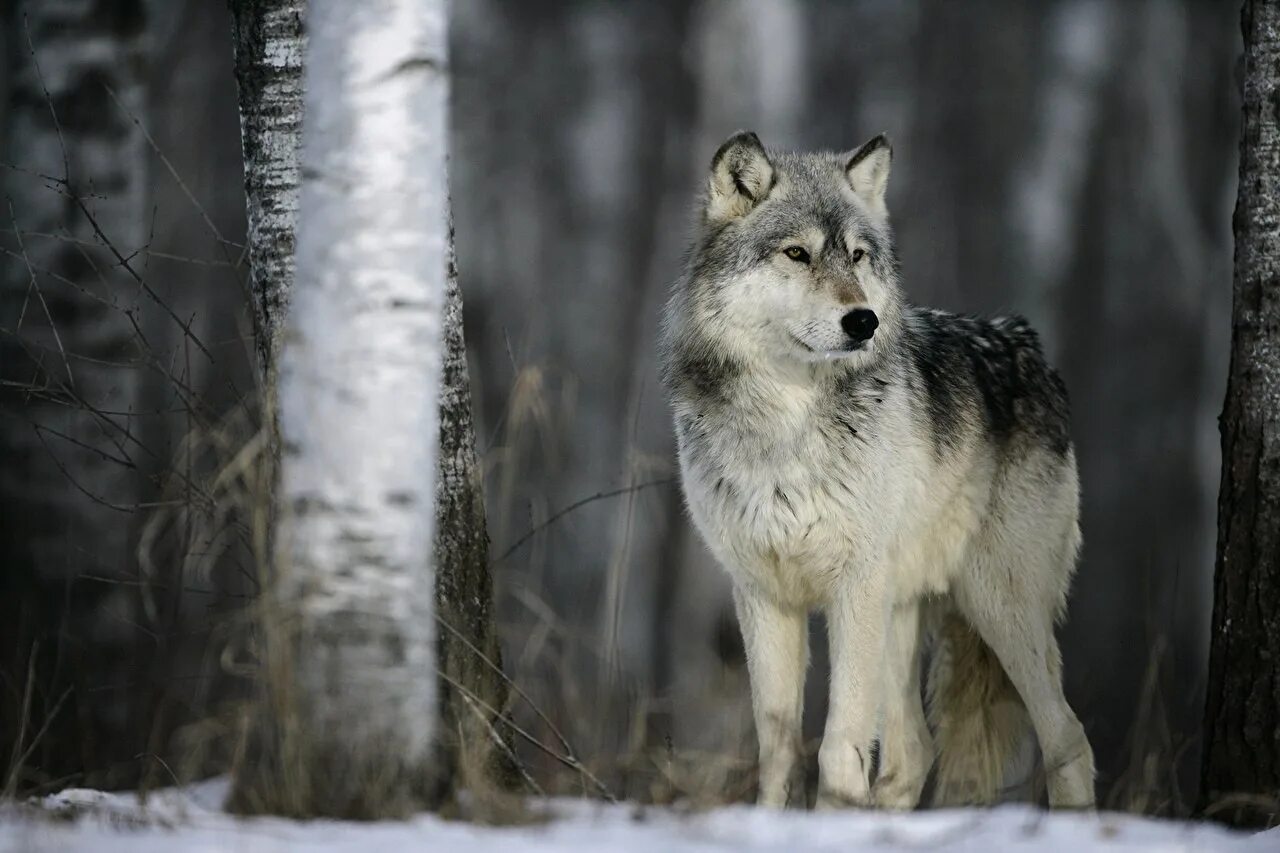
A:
(920, 485)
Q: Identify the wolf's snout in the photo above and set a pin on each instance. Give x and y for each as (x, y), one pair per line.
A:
(860, 324)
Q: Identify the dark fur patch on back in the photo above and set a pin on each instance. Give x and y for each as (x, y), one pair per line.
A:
(938, 361)
(994, 369)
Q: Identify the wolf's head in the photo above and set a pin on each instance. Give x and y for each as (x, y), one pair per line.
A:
(794, 258)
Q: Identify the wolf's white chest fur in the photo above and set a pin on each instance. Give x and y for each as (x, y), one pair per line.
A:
(788, 503)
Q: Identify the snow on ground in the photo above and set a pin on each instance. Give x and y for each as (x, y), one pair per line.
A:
(190, 819)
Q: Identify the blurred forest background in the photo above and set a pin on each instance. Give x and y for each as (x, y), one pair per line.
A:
(1072, 160)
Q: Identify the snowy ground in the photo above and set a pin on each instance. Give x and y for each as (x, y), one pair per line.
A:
(190, 820)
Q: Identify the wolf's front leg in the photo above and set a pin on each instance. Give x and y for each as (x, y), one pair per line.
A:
(857, 623)
(777, 645)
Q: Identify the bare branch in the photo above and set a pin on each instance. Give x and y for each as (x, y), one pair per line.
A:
(578, 504)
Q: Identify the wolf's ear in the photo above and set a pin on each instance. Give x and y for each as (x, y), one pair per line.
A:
(741, 177)
(868, 171)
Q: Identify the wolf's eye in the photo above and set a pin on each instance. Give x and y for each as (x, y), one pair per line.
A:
(796, 254)
(857, 255)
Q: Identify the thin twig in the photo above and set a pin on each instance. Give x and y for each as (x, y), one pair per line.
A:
(505, 747)
(62, 278)
(34, 284)
(48, 99)
(27, 691)
(142, 283)
(67, 189)
(564, 742)
(578, 504)
(74, 482)
(223, 242)
(11, 787)
(568, 761)
(164, 256)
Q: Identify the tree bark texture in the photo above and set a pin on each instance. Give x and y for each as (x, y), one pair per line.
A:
(468, 652)
(270, 41)
(1241, 778)
(359, 380)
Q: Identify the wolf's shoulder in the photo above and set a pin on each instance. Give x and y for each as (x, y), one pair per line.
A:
(933, 328)
(994, 367)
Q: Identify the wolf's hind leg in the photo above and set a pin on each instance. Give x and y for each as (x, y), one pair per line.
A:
(906, 747)
(777, 645)
(1020, 632)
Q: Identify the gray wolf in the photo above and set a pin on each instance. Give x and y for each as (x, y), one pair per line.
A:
(908, 471)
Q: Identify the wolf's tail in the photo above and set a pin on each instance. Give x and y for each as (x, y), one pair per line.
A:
(980, 725)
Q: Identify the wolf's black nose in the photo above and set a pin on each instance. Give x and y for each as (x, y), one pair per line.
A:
(860, 324)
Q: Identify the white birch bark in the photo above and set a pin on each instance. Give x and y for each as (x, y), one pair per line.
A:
(270, 40)
(359, 385)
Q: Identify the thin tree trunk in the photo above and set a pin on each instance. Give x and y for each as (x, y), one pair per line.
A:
(468, 640)
(269, 39)
(352, 665)
(1241, 774)
(269, 45)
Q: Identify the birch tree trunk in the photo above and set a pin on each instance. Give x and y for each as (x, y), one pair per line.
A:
(1241, 772)
(269, 44)
(359, 390)
(69, 366)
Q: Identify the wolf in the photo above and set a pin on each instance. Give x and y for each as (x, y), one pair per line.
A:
(907, 471)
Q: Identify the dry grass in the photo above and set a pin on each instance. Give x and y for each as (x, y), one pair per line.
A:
(573, 726)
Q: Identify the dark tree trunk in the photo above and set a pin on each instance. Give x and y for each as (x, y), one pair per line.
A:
(474, 689)
(1241, 774)
(269, 44)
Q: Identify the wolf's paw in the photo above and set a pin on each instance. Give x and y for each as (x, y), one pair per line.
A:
(1071, 781)
(831, 800)
(898, 793)
(783, 796)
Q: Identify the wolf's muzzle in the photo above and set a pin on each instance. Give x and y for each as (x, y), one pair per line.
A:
(860, 324)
